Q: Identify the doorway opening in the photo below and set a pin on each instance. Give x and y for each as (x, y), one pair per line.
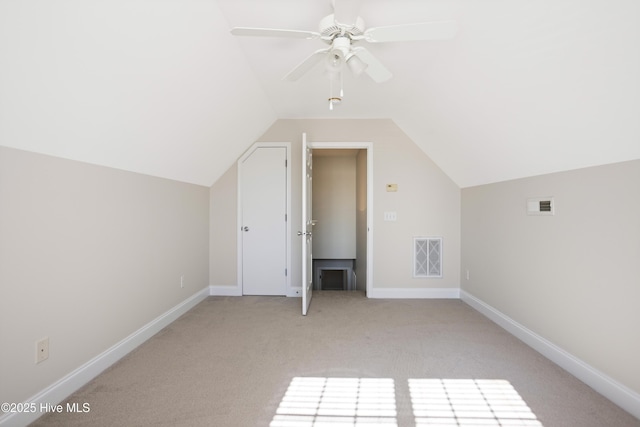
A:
(340, 219)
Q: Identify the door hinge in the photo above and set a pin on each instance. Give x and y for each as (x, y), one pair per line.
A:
(285, 217)
(285, 163)
(285, 271)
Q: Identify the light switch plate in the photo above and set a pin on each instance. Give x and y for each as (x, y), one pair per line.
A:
(390, 216)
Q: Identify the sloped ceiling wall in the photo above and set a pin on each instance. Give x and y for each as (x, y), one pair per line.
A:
(533, 88)
(162, 88)
(154, 87)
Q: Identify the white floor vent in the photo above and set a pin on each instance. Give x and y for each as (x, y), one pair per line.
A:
(427, 257)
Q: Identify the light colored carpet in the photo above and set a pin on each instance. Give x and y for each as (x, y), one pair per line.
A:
(236, 361)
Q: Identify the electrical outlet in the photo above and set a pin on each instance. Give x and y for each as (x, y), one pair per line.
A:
(42, 350)
(182, 281)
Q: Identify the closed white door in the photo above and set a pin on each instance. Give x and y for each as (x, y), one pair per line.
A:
(263, 225)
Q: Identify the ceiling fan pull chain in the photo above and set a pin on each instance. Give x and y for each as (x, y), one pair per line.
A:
(335, 88)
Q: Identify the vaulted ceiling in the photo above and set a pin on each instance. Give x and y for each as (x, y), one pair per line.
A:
(161, 87)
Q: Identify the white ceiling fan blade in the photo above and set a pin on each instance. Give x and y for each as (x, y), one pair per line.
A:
(378, 72)
(435, 30)
(306, 65)
(345, 12)
(273, 32)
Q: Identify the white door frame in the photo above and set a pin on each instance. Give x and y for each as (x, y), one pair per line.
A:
(369, 147)
(254, 147)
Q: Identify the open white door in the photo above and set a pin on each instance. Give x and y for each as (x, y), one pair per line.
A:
(306, 230)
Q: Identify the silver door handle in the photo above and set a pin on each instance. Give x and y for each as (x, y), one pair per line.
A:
(300, 233)
(304, 233)
(246, 228)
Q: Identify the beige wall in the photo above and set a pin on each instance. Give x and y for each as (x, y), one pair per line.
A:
(223, 196)
(88, 255)
(334, 206)
(572, 278)
(427, 202)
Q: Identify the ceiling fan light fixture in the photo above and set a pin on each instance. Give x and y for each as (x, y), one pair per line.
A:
(355, 64)
(340, 48)
(334, 62)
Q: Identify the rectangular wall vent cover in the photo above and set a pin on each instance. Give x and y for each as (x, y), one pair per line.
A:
(540, 206)
(427, 257)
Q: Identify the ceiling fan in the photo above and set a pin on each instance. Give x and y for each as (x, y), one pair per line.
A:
(343, 30)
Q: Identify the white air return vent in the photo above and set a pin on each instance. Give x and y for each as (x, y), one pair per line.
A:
(427, 257)
(540, 206)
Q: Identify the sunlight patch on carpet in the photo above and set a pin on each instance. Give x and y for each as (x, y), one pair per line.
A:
(356, 402)
(333, 402)
(468, 402)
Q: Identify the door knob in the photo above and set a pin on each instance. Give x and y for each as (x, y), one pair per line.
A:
(300, 233)
(246, 228)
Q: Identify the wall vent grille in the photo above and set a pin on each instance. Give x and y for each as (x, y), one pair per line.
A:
(545, 206)
(427, 257)
(540, 206)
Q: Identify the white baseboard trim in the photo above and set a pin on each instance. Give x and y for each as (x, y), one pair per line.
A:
(68, 384)
(619, 394)
(228, 291)
(415, 293)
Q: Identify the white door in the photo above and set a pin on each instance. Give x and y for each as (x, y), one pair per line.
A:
(263, 225)
(306, 230)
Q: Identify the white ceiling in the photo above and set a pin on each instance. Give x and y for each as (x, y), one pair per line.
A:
(161, 87)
